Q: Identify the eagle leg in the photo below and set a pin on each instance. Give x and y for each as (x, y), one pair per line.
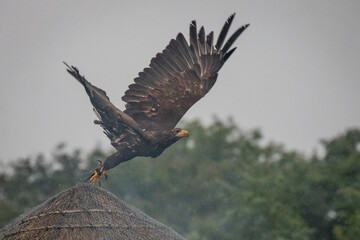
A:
(95, 176)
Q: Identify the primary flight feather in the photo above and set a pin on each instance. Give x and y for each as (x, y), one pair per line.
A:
(175, 80)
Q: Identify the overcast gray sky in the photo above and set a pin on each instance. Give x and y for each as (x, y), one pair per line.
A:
(295, 74)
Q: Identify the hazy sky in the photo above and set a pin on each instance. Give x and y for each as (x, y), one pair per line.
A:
(295, 74)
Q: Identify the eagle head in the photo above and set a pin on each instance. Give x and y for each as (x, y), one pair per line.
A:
(165, 138)
(180, 133)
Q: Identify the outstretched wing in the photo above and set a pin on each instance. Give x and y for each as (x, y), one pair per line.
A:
(178, 77)
(122, 130)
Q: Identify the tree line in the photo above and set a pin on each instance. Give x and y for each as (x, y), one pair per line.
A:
(220, 183)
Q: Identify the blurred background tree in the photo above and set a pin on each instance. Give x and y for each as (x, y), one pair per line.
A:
(221, 183)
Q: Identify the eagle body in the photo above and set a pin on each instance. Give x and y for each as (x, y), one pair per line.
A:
(162, 93)
(136, 145)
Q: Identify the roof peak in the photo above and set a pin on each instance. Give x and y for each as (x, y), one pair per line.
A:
(85, 211)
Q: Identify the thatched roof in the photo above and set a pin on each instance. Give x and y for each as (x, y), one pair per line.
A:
(86, 212)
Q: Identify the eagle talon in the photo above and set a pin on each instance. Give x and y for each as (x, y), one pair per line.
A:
(95, 177)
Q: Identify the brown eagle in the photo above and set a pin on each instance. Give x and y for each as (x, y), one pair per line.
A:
(177, 78)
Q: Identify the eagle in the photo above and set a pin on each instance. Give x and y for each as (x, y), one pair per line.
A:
(176, 79)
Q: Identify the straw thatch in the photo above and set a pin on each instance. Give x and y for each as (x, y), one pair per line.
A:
(86, 212)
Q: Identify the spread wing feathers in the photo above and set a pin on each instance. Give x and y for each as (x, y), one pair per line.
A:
(178, 77)
(117, 126)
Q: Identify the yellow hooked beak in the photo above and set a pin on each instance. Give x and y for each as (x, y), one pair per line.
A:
(182, 133)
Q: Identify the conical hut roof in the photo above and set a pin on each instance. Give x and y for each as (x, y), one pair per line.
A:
(86, 212)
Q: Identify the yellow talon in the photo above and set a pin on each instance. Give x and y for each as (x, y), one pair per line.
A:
(95, 177)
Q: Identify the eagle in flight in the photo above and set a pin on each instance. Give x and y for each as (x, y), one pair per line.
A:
(176, 78)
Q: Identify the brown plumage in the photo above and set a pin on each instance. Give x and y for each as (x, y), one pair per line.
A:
(162, 93)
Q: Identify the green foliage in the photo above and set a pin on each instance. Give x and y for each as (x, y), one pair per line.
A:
(220, 183)
(32, 181)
